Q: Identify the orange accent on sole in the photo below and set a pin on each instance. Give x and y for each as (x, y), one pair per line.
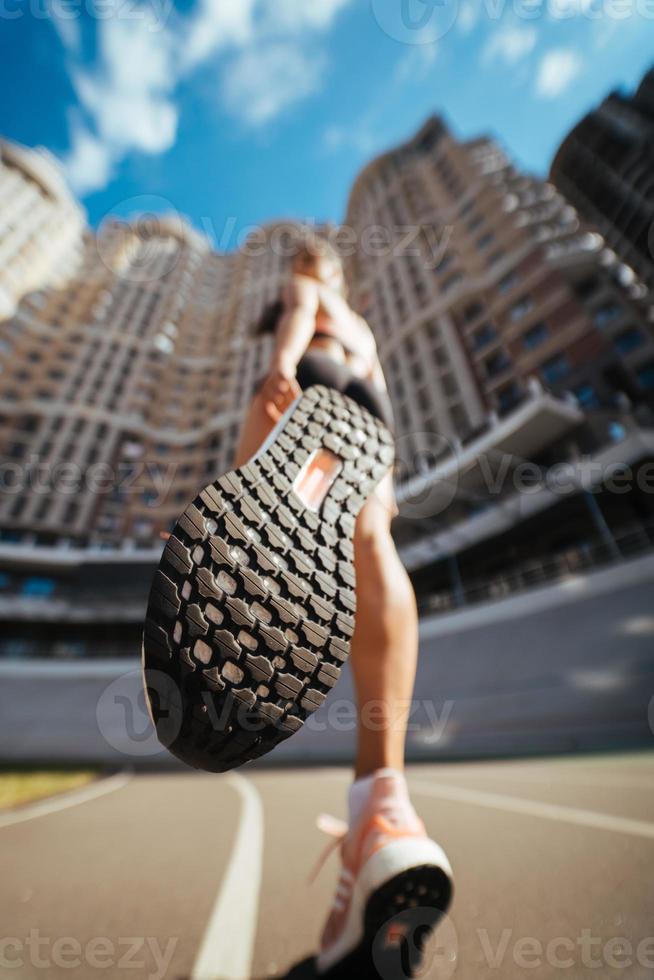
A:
(316, 477)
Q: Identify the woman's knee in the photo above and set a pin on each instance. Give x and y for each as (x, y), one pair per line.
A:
(380, 576)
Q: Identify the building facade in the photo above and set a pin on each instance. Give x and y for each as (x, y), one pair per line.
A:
(510, 336)
(123, 387)
(128, 359)
(605, 167)
(491, 280)
(42, 227)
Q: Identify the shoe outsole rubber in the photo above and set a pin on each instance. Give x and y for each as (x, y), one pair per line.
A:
(399, 919)
(252, 608)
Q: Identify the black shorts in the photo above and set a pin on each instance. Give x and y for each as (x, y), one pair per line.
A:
(317, 368)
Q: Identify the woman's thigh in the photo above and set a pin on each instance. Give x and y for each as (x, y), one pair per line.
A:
(256, 428)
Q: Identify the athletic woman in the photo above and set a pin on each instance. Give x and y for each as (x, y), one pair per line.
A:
(262, 609)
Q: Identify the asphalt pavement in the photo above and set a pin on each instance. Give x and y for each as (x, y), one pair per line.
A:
(182, 876)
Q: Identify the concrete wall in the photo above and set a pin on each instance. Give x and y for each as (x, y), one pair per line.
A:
(558, 669)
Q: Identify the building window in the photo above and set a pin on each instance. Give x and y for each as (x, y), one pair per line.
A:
(607, 314)
(587, 396)
(496, 364)
(586, 287)
(451, 281)
(507, 283)
(38, 587)
(628, 340)
(484, 336)
(508, 397)
(472, 311)
(521, 308)
(485, 241)
(646, 376)
(535, 336)
(555, 369)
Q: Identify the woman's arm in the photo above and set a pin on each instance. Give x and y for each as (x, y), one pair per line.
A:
(296, 328)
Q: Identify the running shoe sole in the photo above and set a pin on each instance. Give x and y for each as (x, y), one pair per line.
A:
(396, 906)
(399, 921)
(252, 608)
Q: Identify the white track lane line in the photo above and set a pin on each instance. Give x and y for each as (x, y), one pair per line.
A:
(610, 781)
(41, 808)
(228, 944)
(535, 808)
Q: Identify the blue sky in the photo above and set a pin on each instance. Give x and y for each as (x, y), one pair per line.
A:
(234, 112)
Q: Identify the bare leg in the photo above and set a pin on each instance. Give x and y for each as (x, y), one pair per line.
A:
(385, 643)
(256, 428)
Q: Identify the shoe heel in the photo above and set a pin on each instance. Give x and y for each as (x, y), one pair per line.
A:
(401, 917)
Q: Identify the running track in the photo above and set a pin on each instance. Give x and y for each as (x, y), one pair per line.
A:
(210, 874)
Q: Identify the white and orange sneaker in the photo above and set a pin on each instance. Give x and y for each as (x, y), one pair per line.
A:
(395, 884)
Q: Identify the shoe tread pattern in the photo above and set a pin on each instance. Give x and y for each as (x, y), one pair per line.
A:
(252, 608)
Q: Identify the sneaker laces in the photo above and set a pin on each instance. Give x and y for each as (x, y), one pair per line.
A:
(336, 829)
(396, 811)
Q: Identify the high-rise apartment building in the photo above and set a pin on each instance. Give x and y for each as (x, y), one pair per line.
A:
(128, 358)
(605, 166)
(508, 333)
(123, 389)
(491, 281)
(41, 224)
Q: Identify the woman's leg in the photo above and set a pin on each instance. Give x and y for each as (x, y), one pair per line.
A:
(384, 648)
(256, 428)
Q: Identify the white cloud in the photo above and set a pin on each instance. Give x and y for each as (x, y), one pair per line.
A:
(557, 70)
(89, 163)
(260, 82)
(468, 16)
(67, 26)
(216, 25)
(358, 137)
(263, 50)
(130, 95)
(509, 44)
(293, 16)
(419, 58)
